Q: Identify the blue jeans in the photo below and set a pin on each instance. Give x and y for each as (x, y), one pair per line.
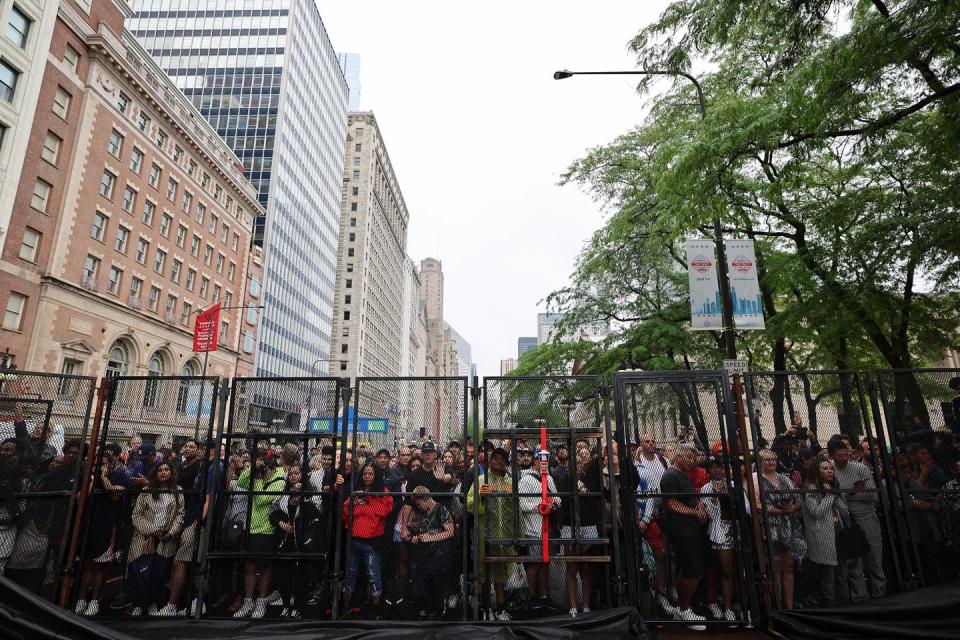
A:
(364, 551)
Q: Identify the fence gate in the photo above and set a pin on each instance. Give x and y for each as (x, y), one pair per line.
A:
(117, 561)
(547, 525)
(43, 424)
(665, 548)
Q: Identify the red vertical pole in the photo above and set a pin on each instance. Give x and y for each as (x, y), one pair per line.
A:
(545, 500)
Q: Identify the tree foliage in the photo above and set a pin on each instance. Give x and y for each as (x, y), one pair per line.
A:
(830, 138)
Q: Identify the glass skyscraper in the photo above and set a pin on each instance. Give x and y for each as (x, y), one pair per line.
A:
(266, 76)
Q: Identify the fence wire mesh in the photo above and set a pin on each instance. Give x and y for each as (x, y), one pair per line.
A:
(43, 427)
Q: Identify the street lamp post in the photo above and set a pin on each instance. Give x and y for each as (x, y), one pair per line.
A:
(730, 339)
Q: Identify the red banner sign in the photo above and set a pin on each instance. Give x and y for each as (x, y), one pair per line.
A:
(206, 329)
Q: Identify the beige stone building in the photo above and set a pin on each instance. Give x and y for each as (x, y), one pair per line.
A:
(130, 216)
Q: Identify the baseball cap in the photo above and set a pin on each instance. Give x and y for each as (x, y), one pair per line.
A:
(428, 447)
(147, 449)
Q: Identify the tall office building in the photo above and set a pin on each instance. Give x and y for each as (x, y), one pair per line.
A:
(431, 287)
(525, 344)
(369, 307)
(350, 63)
(265, 75)
(464, 352)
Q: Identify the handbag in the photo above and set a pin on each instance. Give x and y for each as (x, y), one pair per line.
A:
(851, 540)
(30, 548)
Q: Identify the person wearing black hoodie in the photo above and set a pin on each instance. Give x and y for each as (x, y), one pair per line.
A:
(299, 530)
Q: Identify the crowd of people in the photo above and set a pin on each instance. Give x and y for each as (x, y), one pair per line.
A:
(275, 510)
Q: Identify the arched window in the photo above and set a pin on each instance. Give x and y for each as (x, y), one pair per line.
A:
(184, 399)
(151, 394)
(118, 360)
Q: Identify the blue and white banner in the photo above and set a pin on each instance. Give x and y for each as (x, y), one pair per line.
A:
(744, 285)
(706, 313)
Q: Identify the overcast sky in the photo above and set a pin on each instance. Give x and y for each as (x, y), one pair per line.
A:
(479, 133)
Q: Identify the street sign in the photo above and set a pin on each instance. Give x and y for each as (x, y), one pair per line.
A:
(364, 425)
(736, 367)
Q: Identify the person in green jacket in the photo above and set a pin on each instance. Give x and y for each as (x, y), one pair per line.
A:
(495, 519)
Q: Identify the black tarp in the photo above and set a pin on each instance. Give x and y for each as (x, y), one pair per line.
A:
(23, 616)
(932, 613)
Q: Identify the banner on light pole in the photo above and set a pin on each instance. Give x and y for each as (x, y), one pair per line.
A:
(744, 285)
(706, 312)
(206, 329)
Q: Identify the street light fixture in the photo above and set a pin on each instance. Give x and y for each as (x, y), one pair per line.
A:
(730, 339)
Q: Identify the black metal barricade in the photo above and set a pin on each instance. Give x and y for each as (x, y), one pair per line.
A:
(920, 412)
(140, 535)
(44, 420)
(402, 549)
(271, 533)
(688, 551)
(547, 532)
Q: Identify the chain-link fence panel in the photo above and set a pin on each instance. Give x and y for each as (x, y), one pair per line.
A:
(688, 545)
(44, 421)
(272, 530)
(404, 543)
(920, 412)
(543, 504)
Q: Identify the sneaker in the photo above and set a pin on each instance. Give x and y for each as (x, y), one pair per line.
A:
(665, 604)
(715, 611)
(193, 607)
(729, 615)
(260, 609)
(168, 610)
(573, 612)
(81, 607)
(673, 593)
(152, 610)
(245, 610)
(452, 601)
(585, 610)
(275, 599)
(503, 616)
(92, 609)
(294, 614)
(122, 601)
(285, 612)
(687, 615)
(136, 611)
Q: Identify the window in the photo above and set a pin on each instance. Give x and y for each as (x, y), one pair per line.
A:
(195, 246)
(357, 147)
(123, 102)
(204, 285)
(123, 238)
(143, 248)
(181, 236)
(159, 261)
(207, 255)
(212, 227)
(217, 192)
(346, 332)
(143, 121)
(107, 181)
(136, 160)
(118, 360)
(136, 286)
(13, 316)
(254, 286)
(30, 244)
(229, 204)
(344, 348)
(172, 189)
(251, 315)
(216, 292)
(343, 365)
(359, 132)
(224, 331)
(165, 223)
(8, 81)
(186, 202)
(224, 231)
(248, 341)
(201, 212)
(353, 222)
(347, 298)
(113, 280)
(91, 267)
(220, 260)
(115, 144)
(353, 206)
(154, 178)
(235, 241)
(356, 161)
(148, 210)
(350, 252)
(346, 315)
(191, 278)
(161, 138)
(175, 271)
(171, 309)
(192, 168)
(3, 133)
(349, 267)
(349, 284)
(205, 182)
(352, 237)
(177, 153)
(71, 58)
(68, 387)
(356, 174)
(51, 148)
(356, 191)
(18, 28)
(129, 199)
(187, 312)
(154, 298)
(227, 299)
(99, 226)
(231, 271)
(61, 102)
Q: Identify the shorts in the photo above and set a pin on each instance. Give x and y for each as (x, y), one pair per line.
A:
(261, 544)
(654, 536)
(186, 552)
(688, 550)
(586, 533)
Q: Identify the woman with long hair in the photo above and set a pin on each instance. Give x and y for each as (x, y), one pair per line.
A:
(722, 535)
(824, 511)
(366, 517)
(157, 519)
(780, 508)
